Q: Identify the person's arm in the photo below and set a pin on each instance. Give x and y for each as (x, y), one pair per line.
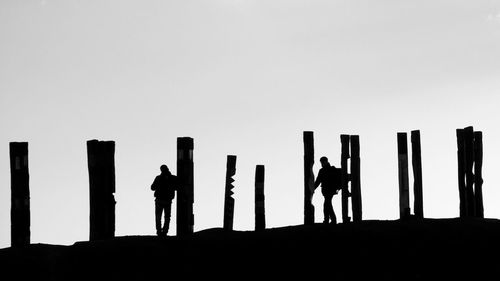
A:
(318, 179)
(155, 184)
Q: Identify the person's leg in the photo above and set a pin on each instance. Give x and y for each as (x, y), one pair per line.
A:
(328, 209)
(168, 209)
(332, 214)
(158, 213)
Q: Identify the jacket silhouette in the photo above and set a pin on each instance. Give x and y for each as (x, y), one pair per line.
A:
(164, 187)
(330, 179)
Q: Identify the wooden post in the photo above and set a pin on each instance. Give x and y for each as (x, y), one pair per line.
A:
(228, 198)
(356, 180)
(404, 195)
(260, 215)
(461, 172)
(344, 140)
(308, 177)
(416, 158)
(20, 194)
(478, 175)
(185, 193)
(469, 176)
(101, 165)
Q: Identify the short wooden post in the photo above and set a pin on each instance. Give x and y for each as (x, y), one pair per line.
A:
(478, 175)
(416, 158)
(185, 193)
(101, 165)
(461, 172)
(357, 213)
(20, 194)
(260, 215)
(344, 140)
(228, 197)
(308, 139)
(469, 175)
(404, 195)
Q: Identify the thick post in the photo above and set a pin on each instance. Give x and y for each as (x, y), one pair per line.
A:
(228, 198)
(20, 194)
(356, 180)
(416, 158)
(344, 140)
(185, 175)
(308, 177)
(469, 176)
(461, 172)
(478, 175)
(260, 215)
(404, 194)
(101, 165)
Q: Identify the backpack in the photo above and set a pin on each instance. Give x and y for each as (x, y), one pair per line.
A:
(336, 174)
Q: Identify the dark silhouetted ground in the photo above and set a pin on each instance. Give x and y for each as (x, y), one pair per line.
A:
(430, 249)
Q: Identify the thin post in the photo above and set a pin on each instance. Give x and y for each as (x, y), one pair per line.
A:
(357, 213)
(185, 193)
(404, 194)
(469, 176)
(228, 198)
(416, 158)
(260, 215)
(101, 165)
(308, 139)
(478, 175)
(20, 194)
(344, 140)
(461, 172)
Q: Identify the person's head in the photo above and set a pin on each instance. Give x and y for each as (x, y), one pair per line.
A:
(164, 169)
(324, 162)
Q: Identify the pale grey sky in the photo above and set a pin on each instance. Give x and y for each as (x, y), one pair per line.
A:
(244, 78)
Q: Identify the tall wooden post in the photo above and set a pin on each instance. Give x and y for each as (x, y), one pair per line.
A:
(228, 197)
(417, 174)
(308, 177)
(20, 194)
(404, 195)
(185, 193)
(478, 175)
(344, 140)
(461, 172)
(101, 165)
(469, 175)
(356, 180)
(260, 215)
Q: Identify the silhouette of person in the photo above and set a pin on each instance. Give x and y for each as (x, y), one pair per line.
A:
(164, 187)
(329, 178)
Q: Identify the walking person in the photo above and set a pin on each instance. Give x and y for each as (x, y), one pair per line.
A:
(331, 182)
(164, 187)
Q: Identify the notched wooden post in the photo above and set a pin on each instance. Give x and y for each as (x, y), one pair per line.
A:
(228, 197)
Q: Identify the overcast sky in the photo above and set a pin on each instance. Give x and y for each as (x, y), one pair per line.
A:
(242, 77)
